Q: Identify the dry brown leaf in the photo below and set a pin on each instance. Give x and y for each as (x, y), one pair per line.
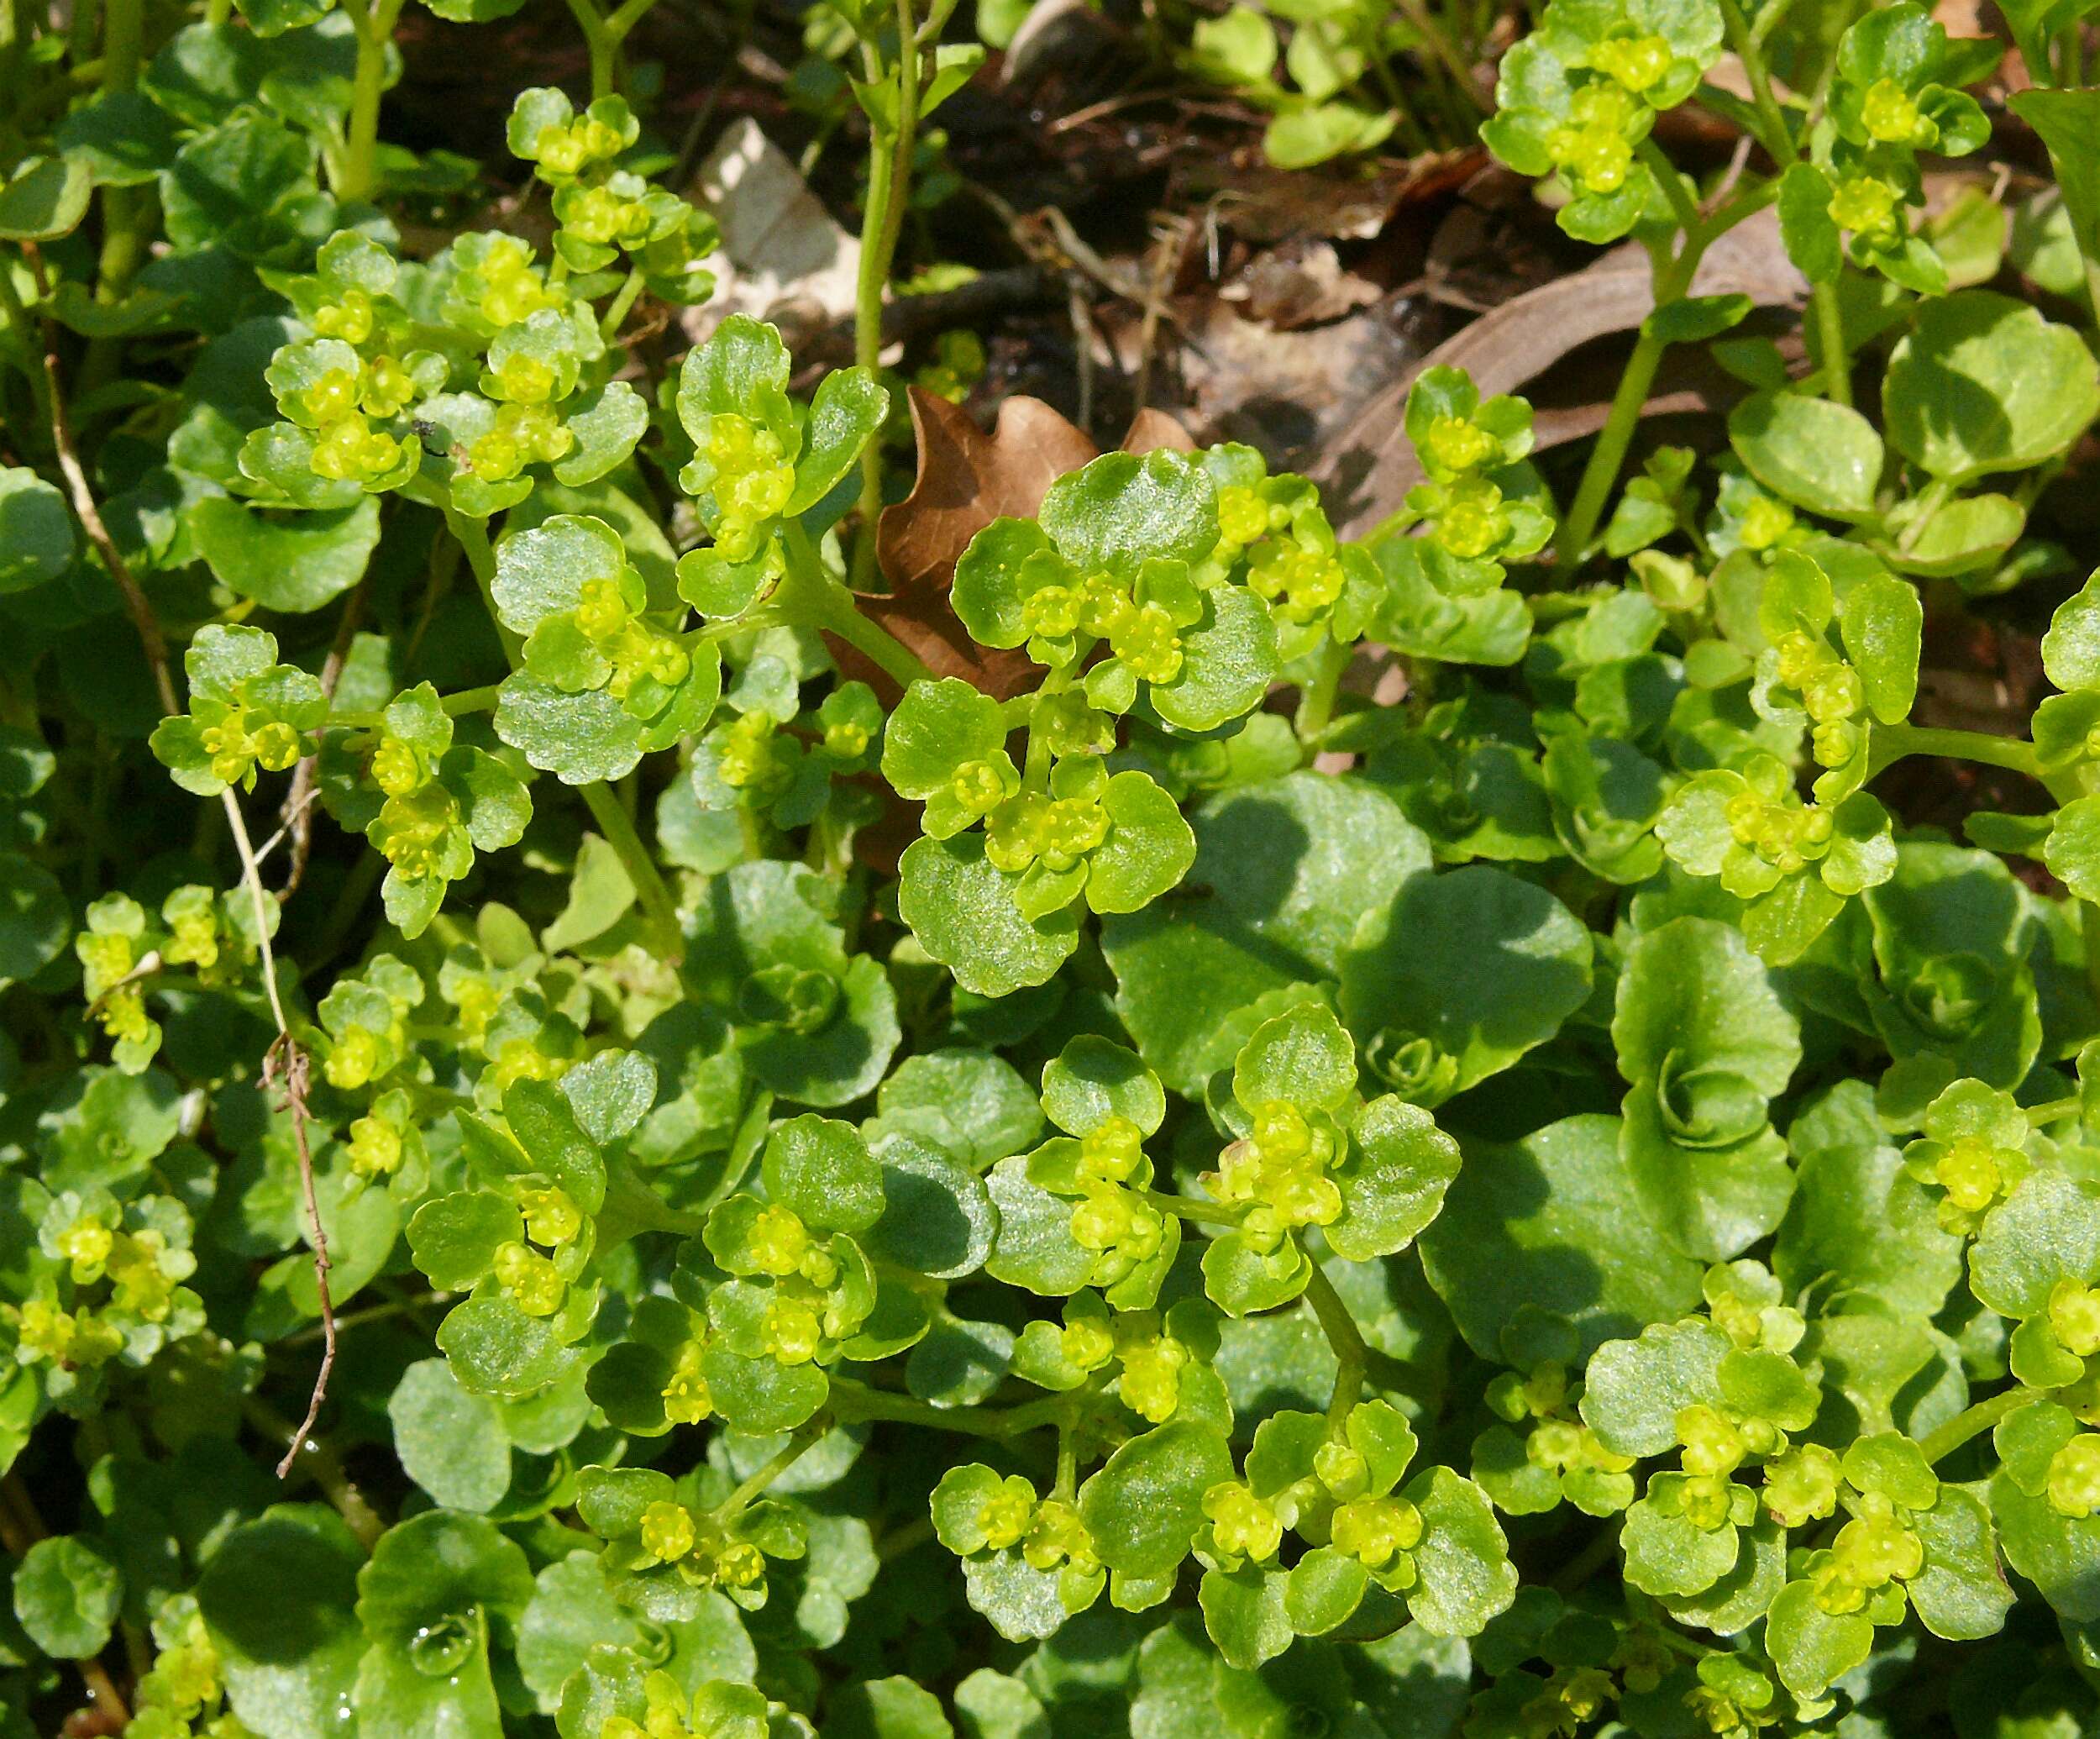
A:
(966, 479)
(1151, 430)
(1370, 466)
(1299, 282)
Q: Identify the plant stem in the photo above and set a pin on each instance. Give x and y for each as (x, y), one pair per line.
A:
(1830, 326)
(882, 221)
(851, 1401)
(649, 886)
(1889, 743)
(810, 596)
(603, 35)
(799, 1442)
(1351, 1354)
(1592, 1558)
(374, 25)
(1203, 1213)
(1938, 1443)
(1316, 698)
(324, 1468)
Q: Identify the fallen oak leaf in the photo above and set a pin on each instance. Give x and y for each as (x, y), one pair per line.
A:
(966, 479)
(1152, 431)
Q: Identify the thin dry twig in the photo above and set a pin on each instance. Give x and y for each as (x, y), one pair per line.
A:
(284, 1061)
(1173, 246)
(297, 812)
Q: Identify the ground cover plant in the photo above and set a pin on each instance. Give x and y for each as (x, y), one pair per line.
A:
(687, 1049)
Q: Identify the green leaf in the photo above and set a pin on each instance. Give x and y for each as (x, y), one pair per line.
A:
(606, 423)
(1243, 1610)
(821, 1169)
(451, 1442)
(36, 531)
(581, 738)
(1228, 660)
(1121, 510)
(1858, 1215)
(1144, 1506)
(2072, 850)
(1812, 452)
(1393, 1180)
(1480, 964)
(1666, 1553)
(1706, 1043)
(2070, 650)
(277, 1595)
(760, 1395)
(1303, 1057)
(1634, 1389)
(1553, 1222)
(1983, 383)
(1289, 866)
(964, 914)
(849, 408)
(46, 199)
(2068, 123)
(1034, 1248)
(36, 919)
(1961, 1594)
(455, 1238)
(1148, 849)
(67, 1592)
(1806, 228)
(291, 564)
(1092, 1080)
(2048, 1230)
(1812, 1648)
(1462, 1560)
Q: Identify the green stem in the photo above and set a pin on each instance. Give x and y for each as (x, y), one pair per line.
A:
(2058, 1109)
(454, 705)
(374, 25)
(320, 1464)
(124, 246)
(851, 1401)
(1601, 472)
(799, 1443)
(882, 221)
(609, 327)
(598, 43)
(1202, 1213)
(1592, 1558)
(811, 596)
(1316, 698)
(1890, 743)
(1683, 205)
(1829, 327)
(1351, 1354)
(1772, 132)
(649, 886)
(2089, 936)
(1942, 1442)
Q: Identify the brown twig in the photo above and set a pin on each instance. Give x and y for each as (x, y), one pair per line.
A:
(284, 1059)
(136, 603)
(285, 1062)
(298, 814)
